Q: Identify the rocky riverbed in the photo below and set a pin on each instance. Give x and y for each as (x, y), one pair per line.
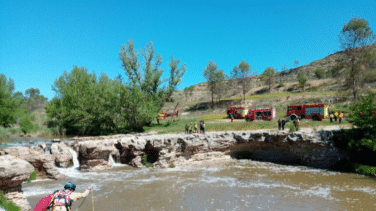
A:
(313, 149)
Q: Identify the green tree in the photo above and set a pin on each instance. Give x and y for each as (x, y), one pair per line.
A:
(84, 105)
(221, 84)
(26, 125)
(361, 112)
(9, 101)
(241, 73)
(354, 35)
(144, 96)
(268, 76)
(34, 100)
(188, 91)
(296, 62)
(214, 77)
(320, 73)
(302, 79)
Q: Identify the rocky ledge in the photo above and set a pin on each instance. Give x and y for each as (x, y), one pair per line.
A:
(315, 149)
(13, 172)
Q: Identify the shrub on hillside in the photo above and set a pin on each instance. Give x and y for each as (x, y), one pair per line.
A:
(26, 124)
(320, 73)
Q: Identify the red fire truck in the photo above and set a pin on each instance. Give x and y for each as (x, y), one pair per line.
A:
(313, 111)
(237, 112)
(260, 114)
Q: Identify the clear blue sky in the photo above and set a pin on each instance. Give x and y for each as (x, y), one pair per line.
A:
(41, 39)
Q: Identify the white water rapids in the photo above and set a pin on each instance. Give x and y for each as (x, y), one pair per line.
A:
(236, 185)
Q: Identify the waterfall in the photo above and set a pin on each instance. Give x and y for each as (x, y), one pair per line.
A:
(73, 170)
(76, 163)
(115, 164)
(47, 150)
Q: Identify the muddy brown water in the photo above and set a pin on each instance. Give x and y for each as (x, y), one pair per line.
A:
(232, 185)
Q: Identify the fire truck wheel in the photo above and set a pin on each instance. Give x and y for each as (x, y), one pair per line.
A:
(315, 118)
(247, 120)
(293, 117)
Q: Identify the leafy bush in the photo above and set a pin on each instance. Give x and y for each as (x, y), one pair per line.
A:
(281, 84)
(364, 169)
(8, 205)
(33, 176)
(293, 87)
(26, 124)
(292, 127)
(361, 112)
(320, 73)
(145, 162)
(335, 71)
(4, 135)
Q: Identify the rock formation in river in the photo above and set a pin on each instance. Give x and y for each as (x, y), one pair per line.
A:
(94, 155)
(62, 154)
(314, 149)
(13, 171)
(44, 163)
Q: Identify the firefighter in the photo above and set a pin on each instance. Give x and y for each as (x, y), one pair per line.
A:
(331, 117)
(297, 124)
(335, 116)
(186, 128)
(340, 117)
(232, 118)
(283, 123)
(190, 128)
(279, 124)
(196, 130)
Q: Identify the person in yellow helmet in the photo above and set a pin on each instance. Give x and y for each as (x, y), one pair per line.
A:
(297, 124)
(335, 116)
(340, 117)
(190, 128)
(331, 117)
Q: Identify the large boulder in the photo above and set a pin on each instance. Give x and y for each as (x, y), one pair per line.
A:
(94, 155)
(19, 200)
(44, 163)
(13, 171)
(62, 154)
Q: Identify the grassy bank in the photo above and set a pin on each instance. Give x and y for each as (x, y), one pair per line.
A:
(224, 124)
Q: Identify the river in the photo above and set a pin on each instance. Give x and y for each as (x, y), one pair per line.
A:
(230, 185)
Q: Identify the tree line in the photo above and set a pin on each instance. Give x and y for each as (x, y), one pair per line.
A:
(355, 67)
(89, 105)
(15, 107)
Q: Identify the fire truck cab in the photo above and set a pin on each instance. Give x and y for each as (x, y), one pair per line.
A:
(237, 112)
(260, 114)
(313, 111)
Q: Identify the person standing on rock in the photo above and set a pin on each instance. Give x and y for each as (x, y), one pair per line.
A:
(279, 124)
(190, 128)
(203, 127)
(186, 128)
(196, 129)
(331, 117)
(283, 123)
(200, 127)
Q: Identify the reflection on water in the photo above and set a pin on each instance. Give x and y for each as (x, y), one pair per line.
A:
(237, 185)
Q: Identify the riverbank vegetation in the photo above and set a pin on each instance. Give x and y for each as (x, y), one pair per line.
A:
(8, 205)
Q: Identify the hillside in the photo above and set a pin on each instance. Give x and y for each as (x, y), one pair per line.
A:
(290, 92)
